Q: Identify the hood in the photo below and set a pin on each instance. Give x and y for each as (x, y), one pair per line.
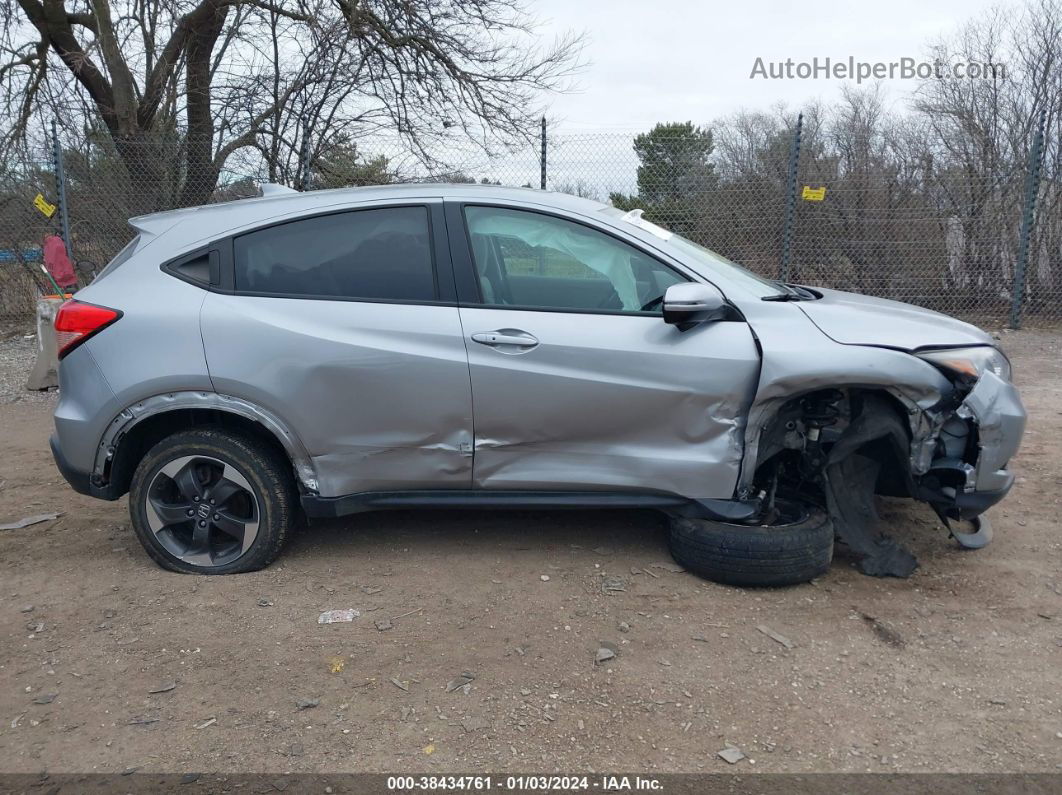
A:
(854, 319)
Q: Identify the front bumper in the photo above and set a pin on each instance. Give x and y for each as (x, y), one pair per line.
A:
(994, 408)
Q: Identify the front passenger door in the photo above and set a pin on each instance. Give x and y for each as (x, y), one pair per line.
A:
(577, 382)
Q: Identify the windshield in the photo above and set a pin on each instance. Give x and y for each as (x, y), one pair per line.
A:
(757, 285)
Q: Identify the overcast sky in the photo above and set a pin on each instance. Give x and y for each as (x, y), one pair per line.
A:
(668, 60)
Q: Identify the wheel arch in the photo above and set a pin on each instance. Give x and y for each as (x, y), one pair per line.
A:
(875, 397)
(141, 425)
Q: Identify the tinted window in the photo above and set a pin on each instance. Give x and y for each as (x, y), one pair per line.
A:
(197, 269)
(534, 260)
(367, 254)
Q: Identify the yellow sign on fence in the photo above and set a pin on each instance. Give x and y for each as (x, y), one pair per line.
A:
(813, 194)
(41, 204)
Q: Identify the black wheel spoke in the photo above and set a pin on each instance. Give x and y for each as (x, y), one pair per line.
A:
(231, 525)
(224, 490)
(200, 538)
(188, 481)
(171, 512)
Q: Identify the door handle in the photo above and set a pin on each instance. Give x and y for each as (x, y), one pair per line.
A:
(520, 339)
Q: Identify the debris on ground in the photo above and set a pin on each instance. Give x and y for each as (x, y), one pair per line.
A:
(206, 723)
(35, 626)
(336, 664)
(26, 521)
(882, 630)
(472, 724)
(613, 585)
(166, 688)
(26, 609)
(776, 636)
(731, 755)
(47, 698)
(399, 684)
(544, 578)
(604, 654)
(462, 683)
(384, 624)
(307, 703)
(264, 603)
(337, 616)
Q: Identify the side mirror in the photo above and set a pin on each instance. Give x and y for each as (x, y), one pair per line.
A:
(690, 303)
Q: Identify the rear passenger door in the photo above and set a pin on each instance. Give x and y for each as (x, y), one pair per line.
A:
(345, 325)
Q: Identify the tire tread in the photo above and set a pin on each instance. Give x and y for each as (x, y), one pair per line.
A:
(754, 556)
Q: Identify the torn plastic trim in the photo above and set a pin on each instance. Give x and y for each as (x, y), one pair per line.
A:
(964, 483)
(131, 416)
(995, 407)
(850, 485)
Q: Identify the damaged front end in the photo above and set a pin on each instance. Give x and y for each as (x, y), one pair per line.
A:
(839, 447)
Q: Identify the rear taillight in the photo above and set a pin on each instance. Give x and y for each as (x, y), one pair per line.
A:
(76, 321)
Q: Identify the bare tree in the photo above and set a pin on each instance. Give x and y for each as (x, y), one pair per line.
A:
(210, 78)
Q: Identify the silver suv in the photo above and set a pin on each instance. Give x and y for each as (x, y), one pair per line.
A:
(240, 366)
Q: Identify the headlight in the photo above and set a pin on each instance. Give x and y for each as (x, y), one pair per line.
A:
(969, 363)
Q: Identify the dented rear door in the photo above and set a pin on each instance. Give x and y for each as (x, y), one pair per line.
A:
(375, 385)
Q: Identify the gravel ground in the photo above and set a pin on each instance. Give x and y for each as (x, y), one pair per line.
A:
(108, 663)
(18, 352)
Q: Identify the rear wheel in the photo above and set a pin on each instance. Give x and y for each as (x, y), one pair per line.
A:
(210, 502)
(795, 548)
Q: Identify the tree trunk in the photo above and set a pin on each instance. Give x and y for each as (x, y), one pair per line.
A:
(201, 173)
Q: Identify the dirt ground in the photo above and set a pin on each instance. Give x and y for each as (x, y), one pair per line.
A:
(957, 669)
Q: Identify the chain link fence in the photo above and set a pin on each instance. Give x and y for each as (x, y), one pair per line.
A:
(949, 240)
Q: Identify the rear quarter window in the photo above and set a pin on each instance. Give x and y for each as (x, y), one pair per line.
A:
(376, 254)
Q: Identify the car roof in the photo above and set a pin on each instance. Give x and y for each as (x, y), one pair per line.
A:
(282, 202)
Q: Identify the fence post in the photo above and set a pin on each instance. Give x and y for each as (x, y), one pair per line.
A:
(790, 200)
(1028, 219)
(60, 190)
(542, 178)
(304, 157)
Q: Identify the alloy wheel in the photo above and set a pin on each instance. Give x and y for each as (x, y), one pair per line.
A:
(202, 510)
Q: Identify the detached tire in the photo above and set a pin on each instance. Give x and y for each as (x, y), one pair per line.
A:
(789, 553)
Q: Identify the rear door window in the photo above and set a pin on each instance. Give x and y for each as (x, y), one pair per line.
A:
(380, 254)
